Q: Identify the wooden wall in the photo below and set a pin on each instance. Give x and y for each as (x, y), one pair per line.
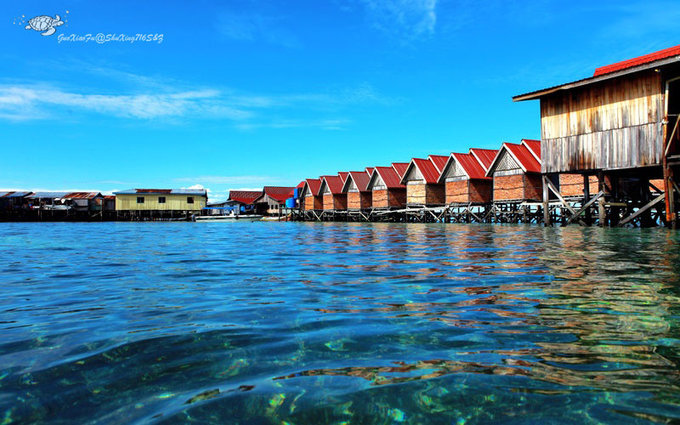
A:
(128, 202)
(518, 187)
(469, 191)
(313, 203)
(425, 194)
(384, 198)
(358, 200)
(334, 202)
(609, 125)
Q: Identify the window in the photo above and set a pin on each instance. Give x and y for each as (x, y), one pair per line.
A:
(140, 199)
(161, 199)
(190, 199)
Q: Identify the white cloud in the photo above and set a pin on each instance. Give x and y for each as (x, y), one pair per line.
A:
(415, 17)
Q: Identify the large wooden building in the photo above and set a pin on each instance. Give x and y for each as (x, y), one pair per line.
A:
(387, 191)
(179, 200)
(516, 173)
(272, 201)
(422, 183)
(620, 124)
(356, 188)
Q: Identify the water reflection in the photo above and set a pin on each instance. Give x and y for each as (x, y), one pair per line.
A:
(380, 323)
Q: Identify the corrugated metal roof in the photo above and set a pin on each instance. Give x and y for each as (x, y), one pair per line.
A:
(360, 179)
(484, 156)
(400, 168)
(313, 186)
(14, 194)
(534, 147)
(640, 60)
(426, 168)
(51, 195)
(525, 159)
(390, 177)
(439, 161)
(198, 192)
(280, 193)
(369, 171)
(649, 61)
(334, 184)
(343, 175)
(300, 185)
(470, 165)
(244, 196)
(81, 195)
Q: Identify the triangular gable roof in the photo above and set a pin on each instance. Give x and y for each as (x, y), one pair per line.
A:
(641, 63)
(279, 193)
(311, 186)
(400, 168)
(522, 156)
(343, 175)
(439, 161)
(388, 175)
(468, 163)
(334, 184)
(426, 168)
(244, 196)
(300, 185)
(534, 147)
(484, 156)
(360, 179)
(369, 171)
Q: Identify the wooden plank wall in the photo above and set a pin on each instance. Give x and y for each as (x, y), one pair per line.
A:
(609, 125)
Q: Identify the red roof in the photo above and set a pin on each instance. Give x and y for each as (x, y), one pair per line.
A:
(360, 179)
(334, 183)
(534, 147)
(81, 195)
(313, 186)
(400, 168)
(279, 193)
(426, 168)
(244, 196)
(389, 176)
(469, 163)
(439, 161)
(343, 175)
(369, 171)
(301, 185)
(484, 156)
(524, 157)
(640, 60)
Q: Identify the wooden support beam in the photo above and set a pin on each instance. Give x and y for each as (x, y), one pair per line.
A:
(546, 202)
(584, 208)
(642, 210)
(554, 190)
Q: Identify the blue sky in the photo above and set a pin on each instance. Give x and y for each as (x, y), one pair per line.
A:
(246, 93)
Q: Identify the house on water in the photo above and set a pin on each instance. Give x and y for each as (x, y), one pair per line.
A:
(465, 180)
(272, 201)
(422, 183)
(243, 201)
(311, 200)
(386, 188)
(161, 200)
(356, 188)
(620, 124)
(334, 199)
(516, 173)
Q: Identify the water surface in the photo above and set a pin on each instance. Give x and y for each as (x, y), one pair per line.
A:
(294, 323)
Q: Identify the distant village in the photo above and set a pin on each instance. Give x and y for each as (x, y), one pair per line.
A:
(608, 155)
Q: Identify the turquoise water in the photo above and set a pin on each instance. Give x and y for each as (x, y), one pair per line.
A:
(293, 323)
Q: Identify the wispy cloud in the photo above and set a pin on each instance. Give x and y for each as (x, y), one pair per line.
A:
(22, 102)
(415, 18)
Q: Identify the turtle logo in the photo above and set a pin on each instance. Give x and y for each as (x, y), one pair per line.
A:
(44, 24)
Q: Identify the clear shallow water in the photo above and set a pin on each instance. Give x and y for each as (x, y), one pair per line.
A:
(291, 323)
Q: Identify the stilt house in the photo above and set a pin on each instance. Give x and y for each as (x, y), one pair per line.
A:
(387, 191)
(516, 173)
(422, 183)
(356, 188)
